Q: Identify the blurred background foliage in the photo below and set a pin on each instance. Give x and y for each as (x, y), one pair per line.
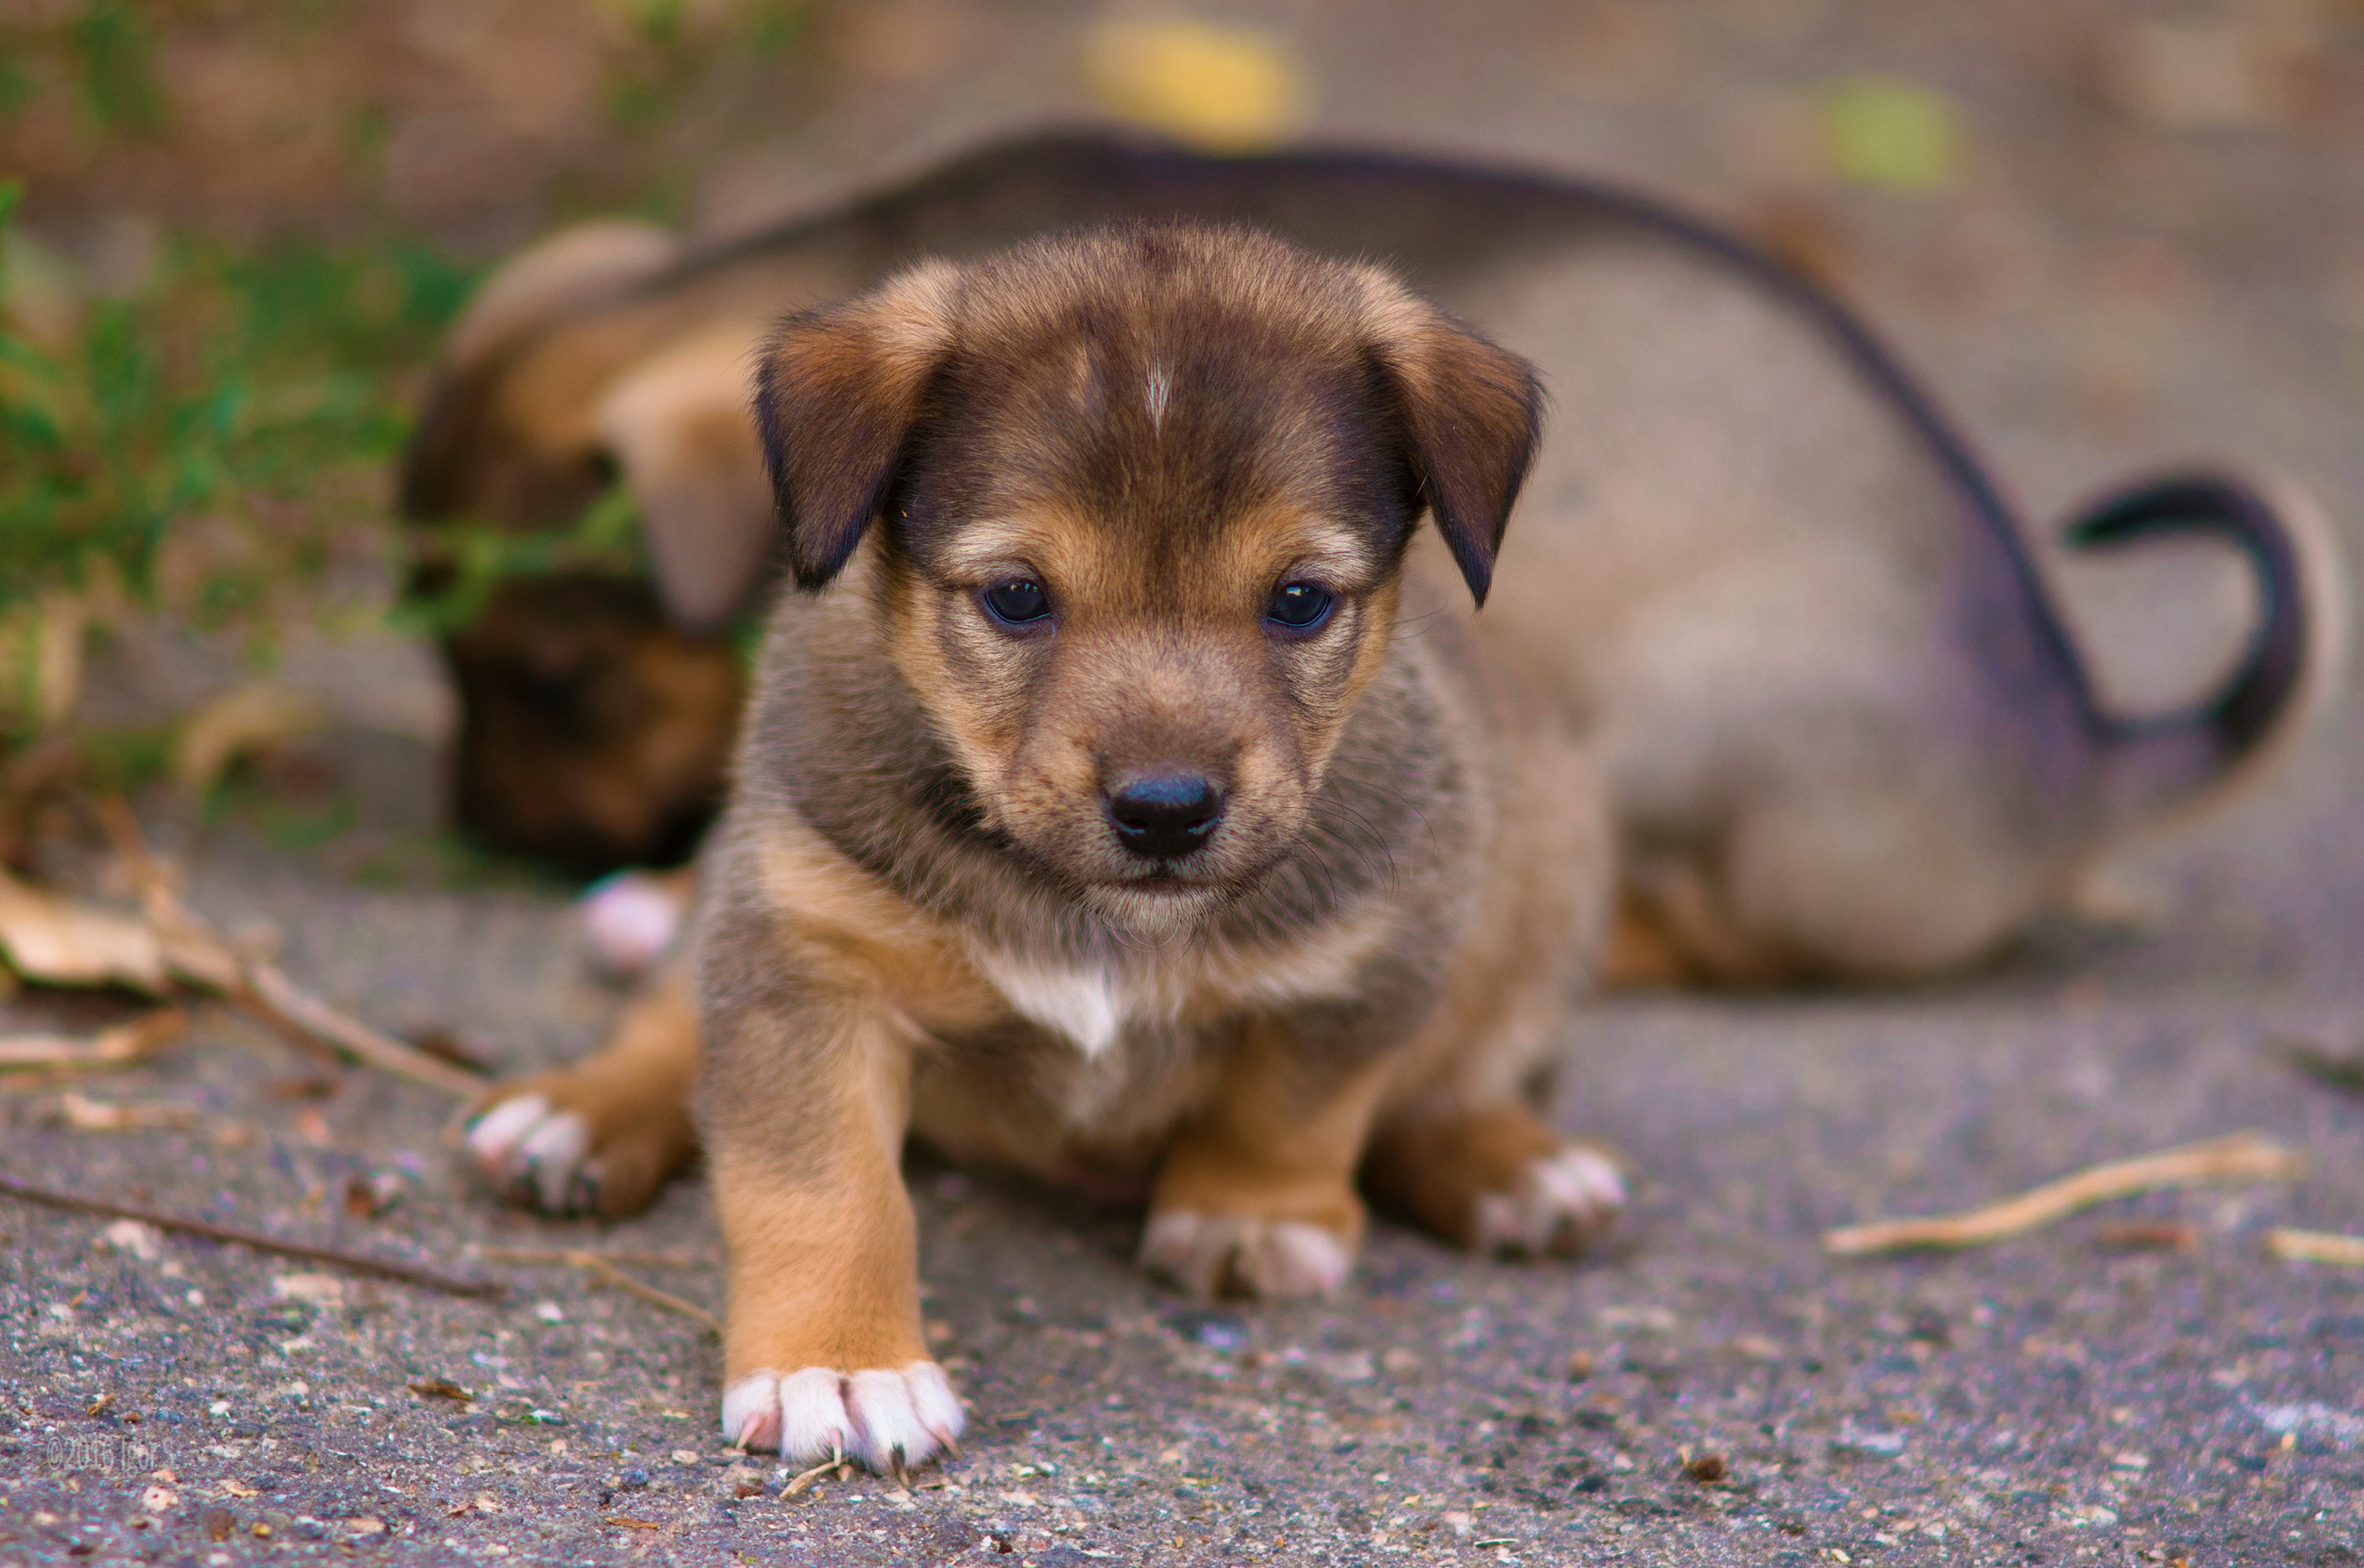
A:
(218, 284)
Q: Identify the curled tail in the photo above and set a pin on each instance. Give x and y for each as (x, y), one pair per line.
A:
(2191, 758)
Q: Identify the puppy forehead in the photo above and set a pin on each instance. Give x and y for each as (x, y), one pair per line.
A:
(1163, 445)
(1076, 546)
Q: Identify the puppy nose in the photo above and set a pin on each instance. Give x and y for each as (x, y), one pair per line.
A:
(1165, 816)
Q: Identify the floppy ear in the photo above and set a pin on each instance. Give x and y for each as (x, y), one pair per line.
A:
(685, 446)
(1472, 415)
(837, 392)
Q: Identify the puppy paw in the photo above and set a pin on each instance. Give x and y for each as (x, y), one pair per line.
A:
(535, 1150)
(632, 919)
(1241, 1254)
(533, 1154)
(1559, 1204)
(883, 1419)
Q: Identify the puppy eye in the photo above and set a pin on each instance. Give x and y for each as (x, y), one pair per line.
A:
(1299, 607)
(1016, 602)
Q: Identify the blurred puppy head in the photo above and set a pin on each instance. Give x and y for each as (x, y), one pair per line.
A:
(1141, 498)
(591, 732)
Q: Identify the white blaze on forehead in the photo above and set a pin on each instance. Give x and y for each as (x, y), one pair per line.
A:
(1161, 391)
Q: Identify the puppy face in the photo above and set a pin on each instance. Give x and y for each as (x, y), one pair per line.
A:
(1146, 494)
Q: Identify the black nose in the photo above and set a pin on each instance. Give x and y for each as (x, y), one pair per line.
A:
(1165, 816)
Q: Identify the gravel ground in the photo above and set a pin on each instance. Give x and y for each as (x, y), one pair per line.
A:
(2131, 291)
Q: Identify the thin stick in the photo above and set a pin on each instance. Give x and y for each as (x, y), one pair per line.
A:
(276, 997)
(568, 1254)
(603, 1267)
(386, 1268)
(797, 1483)
(2243, 1157)
(2316, 1247)
(260, 987)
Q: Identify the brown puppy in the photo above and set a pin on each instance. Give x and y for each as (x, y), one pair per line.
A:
(1097, 820)
(1845, 734)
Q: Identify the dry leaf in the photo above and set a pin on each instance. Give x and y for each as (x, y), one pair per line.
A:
(85, 1114)
(320, 1290)
(2147, 1236)
(237, 724)
(54, 940)
(142, 1240)
(1225, 88)
(118, 1047)
(367, 1197)
(2199, 75)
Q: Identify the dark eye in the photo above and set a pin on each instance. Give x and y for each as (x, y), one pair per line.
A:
(1016, 602)
(1299, 607)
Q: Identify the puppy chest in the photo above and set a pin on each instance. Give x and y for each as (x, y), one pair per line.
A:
(1088, 1008)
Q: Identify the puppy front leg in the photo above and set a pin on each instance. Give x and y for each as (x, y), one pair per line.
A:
(1256, 1193)
(823, 1347)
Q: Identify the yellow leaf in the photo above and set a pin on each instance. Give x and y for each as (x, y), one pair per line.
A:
(1228, 89)
(1890, 133)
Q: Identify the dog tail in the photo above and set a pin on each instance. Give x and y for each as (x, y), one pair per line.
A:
(450, 467)
(2171, 764)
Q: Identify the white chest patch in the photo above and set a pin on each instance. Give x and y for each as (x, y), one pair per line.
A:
(1089, 1006)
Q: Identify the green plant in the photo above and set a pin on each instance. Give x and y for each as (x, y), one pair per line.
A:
(465, 561)
(259, 394)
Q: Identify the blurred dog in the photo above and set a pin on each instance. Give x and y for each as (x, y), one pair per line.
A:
(1846, 736)
(1102, 823)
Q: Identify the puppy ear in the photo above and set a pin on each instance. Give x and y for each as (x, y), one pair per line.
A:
(1472, 415)
(679, 431)
(837, 392)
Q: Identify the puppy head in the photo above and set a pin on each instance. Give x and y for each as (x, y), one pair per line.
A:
(591, 733)
(1141, 499)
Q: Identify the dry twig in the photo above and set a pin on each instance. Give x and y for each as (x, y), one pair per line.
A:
(2241, 1156)
(603, 1267)
(2316, 1247)
(384, 1268)
(838, 1465)
(200, 956)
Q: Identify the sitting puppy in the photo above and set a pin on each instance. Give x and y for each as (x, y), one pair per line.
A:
(1133, 807)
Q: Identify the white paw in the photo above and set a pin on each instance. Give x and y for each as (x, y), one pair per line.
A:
(1218, 1254)
(1562, 1202)
(535, 1153)
(885, 1421)
(631, 920)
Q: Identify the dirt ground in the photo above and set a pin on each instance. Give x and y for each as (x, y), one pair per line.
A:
(2135, 234)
